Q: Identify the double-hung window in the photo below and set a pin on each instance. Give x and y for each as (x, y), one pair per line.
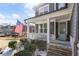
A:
(41, 28)
(45, 27)
(41, 10)
(44, 9)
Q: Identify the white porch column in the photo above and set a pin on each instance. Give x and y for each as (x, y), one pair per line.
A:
(48, 31)
(55, 29)
(27, 29)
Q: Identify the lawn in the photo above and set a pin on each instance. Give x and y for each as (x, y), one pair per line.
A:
(4, 41)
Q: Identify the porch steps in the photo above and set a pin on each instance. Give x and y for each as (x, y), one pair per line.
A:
(59, 51)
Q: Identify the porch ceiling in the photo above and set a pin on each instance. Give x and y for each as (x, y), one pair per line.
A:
(63, 14)
(62, 17)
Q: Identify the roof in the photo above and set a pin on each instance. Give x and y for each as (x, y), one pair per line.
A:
(44, 14)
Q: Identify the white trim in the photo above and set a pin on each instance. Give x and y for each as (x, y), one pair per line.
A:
(48, 31)
(41, 22)
(63, 20)
(54, 6)
(58, 28)
(55, 29)
(66, 26)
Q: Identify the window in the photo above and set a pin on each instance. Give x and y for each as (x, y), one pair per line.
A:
(41, 10)
(45, 28)
(44, 9)
(36, 28)
(32, 28)
(52, 28)
(61, 5)
(41, 28)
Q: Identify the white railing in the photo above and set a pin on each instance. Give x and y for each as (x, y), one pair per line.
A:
(52, 37)
(38, 36)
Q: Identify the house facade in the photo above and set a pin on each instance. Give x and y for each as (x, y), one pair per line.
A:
(51, 23)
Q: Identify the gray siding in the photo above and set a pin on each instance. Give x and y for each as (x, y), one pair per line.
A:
(51, 8)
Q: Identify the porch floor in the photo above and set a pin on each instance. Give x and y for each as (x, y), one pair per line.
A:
(58, 51)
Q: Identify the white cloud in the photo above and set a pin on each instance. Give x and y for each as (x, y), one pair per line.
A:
(29, 9)
(15, 16)
(30, 5)
(10, 19)
(2, 16)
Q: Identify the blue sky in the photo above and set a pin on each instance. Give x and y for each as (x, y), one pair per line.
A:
(10, 12)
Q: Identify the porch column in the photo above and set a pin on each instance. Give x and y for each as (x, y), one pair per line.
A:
(28, 30)
(55, 29)
(48, 31)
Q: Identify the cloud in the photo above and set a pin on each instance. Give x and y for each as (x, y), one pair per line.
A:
(29, 9)
(9, 19)
(15, 16)
(2, 16)
(3, 19)
(30, 5)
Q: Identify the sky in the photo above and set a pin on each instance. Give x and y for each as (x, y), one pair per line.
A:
(11, 12)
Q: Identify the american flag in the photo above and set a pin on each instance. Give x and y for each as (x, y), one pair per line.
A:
(19, 27)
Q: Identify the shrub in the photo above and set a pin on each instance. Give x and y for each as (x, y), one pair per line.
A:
(23, 53)
(12, 44)
(32, 47)
(41, 44)
(26, 45)
(33, 41)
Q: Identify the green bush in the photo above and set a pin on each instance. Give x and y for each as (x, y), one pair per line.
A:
(33, 41)
(23, 53)
(42, 45)
(12, 44)
(26, 46)
(30, 47)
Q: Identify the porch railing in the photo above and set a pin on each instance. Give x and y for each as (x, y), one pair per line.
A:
(38, 36)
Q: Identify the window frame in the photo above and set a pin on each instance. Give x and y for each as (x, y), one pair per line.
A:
(45, 28)
(41, 28)
(42, 9)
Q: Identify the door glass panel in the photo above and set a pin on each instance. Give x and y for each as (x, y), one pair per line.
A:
(62, 31)
(62, 28)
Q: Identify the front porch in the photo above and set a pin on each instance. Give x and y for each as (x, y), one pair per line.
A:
(53, 30)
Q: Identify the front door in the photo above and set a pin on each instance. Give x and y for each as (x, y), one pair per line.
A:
(62, 31)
